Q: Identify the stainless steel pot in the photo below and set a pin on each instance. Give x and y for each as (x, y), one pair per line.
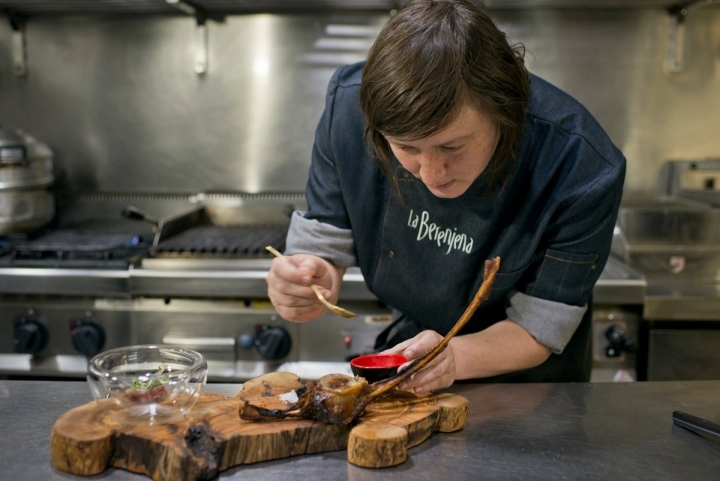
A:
(26, 173)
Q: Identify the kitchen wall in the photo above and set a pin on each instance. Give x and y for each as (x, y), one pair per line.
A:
(120, 104)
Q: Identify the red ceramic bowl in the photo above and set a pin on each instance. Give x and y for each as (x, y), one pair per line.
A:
(376, 367)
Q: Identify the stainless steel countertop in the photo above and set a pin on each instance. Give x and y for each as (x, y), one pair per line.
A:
(589, 431)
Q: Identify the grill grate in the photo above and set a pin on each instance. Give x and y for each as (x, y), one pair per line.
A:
(234, 241)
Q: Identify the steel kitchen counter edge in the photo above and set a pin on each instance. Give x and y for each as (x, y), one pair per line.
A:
(682, 300)
(71, 282)
(513, 431)
(618, 284)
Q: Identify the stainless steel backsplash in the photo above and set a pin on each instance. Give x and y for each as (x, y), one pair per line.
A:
(118, 100)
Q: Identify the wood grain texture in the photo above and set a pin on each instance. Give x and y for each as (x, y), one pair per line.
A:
(378, 445)
(211, 437)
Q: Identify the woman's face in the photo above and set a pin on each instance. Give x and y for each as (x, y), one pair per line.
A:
(449, 161)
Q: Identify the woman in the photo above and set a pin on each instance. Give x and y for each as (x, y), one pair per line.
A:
(439, 152)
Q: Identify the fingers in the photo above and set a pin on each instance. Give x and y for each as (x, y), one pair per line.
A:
(398, 348)
(417, 346)
(440, 373)
(288, 287)
(298, 269)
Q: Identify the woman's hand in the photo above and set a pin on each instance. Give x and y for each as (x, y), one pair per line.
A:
(288, 286)
(440, 373)
(501, 348)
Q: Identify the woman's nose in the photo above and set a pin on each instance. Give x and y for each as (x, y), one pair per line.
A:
(432, 170)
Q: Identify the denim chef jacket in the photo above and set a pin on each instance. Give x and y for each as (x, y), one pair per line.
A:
(424, 256)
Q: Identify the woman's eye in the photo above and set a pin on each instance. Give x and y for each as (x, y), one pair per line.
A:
(408, 148)
(451, 148)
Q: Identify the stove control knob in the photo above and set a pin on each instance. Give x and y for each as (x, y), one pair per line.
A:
(87, 337)
(272, 342)
(617, 337)
(29, 336)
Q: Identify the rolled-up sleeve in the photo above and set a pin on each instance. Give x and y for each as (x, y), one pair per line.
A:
(308, 236)
(554, 292)
(551, 323)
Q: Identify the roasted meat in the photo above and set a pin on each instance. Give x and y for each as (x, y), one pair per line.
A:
(340, 399)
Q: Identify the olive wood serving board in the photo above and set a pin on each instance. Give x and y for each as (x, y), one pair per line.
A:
(211, 437)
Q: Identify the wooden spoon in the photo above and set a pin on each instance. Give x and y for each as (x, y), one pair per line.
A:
(332, 307)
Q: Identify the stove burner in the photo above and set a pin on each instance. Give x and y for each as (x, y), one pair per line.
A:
(87, 248)
(75, 248)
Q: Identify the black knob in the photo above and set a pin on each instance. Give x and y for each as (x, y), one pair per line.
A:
(619, 342)
(29, 336)
(87, 337)
(272, 342)
(616, 335)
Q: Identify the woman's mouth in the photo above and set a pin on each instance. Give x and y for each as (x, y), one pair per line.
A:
(442, 187)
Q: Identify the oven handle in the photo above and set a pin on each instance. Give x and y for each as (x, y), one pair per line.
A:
(206, 344)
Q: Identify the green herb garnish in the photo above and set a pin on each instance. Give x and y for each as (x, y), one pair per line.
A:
(156, 379)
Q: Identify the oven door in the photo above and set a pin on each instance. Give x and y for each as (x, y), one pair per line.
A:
(681, 332)
(682, 350)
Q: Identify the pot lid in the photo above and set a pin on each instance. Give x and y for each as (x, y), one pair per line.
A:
(17, 146)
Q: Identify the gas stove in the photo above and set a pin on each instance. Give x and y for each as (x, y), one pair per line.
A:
(186, 271)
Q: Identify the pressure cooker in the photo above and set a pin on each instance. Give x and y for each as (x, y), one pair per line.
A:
(26, 174)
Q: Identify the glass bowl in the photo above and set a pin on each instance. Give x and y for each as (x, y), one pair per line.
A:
(152, 384)
(377, 367)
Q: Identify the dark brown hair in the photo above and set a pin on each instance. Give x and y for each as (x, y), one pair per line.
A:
(431, 59)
